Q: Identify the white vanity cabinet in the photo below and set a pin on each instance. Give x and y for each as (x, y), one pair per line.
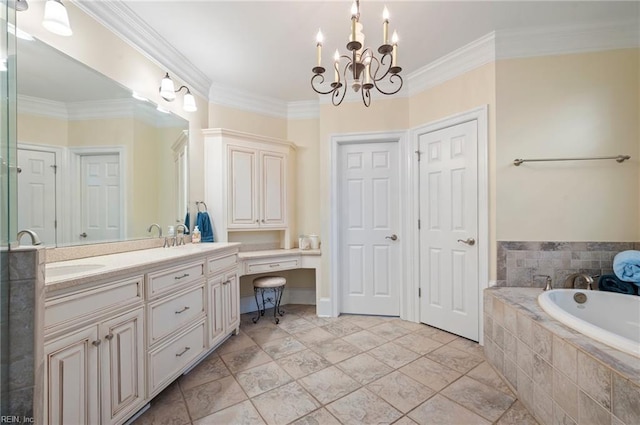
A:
(250, 183)
(223, 287)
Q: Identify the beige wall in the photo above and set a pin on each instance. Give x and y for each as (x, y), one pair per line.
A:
(42, 130)
(248, 122)
(568, 106)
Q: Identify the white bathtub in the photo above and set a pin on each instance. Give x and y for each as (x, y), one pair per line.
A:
(613, 319)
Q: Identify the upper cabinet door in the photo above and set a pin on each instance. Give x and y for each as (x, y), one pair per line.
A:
(273, 189)
(243, 199)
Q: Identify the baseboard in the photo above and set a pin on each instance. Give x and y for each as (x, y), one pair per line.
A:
(324, 307)
(290, 296)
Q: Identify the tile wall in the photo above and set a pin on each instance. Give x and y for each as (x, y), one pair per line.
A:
(561, 376)
(518, 262)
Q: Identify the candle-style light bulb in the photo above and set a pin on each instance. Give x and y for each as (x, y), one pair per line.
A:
(354, 19)
(385, 26)
(319, 37)
(354, 10)
(336, 61)
(319, 47)
(367, 69)
(394, 38)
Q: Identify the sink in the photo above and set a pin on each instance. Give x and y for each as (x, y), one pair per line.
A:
(53, 271)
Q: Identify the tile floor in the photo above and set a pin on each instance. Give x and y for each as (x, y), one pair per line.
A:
(345, 370)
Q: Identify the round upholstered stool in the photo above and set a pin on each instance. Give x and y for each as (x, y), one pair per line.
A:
(274, 284)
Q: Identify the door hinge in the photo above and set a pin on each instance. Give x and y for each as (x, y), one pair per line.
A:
(55, 169)
(419, 154)
(419, 292)
(418, 224)
(55, 224)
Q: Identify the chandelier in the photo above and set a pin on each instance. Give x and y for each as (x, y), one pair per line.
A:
(360, 67)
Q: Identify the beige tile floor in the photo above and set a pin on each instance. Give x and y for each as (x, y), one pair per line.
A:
(345, 370)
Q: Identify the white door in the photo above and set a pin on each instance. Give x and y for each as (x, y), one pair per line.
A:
(100, 201)
(37, 194)
(368, 244)
(272, 191)
(449, 226)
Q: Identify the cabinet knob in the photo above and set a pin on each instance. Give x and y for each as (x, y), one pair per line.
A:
(263, 220)
(257, 221)
(97, 342)
(109, 337)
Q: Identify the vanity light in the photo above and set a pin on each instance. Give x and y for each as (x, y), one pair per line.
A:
(168, 93)
(56, 18)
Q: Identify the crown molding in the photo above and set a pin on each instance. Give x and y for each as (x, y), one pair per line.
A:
(473, 55)
(302, 110)
(120, 19)
(240, 99)
(42, 107)
(571, 39)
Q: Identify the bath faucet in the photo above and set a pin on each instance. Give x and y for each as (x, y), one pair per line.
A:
(159, 229)
(547, 282)
(180, 233)
(570, 281)
(35, 240)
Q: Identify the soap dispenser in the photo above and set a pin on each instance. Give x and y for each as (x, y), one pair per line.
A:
(195, 237)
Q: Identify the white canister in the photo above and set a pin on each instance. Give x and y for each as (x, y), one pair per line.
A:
(303, 242)
(314, 241)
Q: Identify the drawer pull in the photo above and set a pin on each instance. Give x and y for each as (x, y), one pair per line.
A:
(109, 337)
(183, 351)
(183, 310)
(96, 342)
(274, 265)
(181, 277)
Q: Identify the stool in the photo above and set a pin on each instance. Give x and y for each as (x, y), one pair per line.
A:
(273, 284)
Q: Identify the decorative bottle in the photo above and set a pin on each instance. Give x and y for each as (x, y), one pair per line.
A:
(195, 237)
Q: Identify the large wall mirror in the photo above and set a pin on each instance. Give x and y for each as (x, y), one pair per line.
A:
(96, 164)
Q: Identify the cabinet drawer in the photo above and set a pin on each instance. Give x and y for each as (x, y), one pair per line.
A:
(272, 264)
(168, 360)
(167, 315)
(91, 302)
(215, 265)
(167, 279)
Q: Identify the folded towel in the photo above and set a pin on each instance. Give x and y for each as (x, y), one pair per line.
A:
(611, 283)
(626, 266)
(204, 224)
(186, 223)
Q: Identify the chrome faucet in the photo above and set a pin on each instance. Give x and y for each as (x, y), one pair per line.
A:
(35, 240)
(570, 281)
(547, 282)
(159, 229)
(180, 234)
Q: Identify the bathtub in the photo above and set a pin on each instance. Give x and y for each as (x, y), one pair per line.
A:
(613, 319)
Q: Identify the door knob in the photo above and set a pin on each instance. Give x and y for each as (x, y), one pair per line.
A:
(392, 237)
(83, 234)
(468, 241)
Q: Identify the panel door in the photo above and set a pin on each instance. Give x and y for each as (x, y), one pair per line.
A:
(231, 287)
(100, 204)
(71, 379)
(243, 188)
(122, 365)
(449, 216)
(369, 221)
(273, 189)
(37, 194)
(216, 309)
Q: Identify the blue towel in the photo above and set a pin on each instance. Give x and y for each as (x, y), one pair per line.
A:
(611, 283)
(626, 266)
(186, 223)
(204, 225)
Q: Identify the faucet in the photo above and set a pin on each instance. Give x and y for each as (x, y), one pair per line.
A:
(570, 281)
(159, 229)
(547, 283)
(180, 233)
(35, 240)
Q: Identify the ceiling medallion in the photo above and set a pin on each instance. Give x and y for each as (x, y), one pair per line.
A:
(361, 68)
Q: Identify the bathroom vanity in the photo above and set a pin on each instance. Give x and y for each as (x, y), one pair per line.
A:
(119, 328)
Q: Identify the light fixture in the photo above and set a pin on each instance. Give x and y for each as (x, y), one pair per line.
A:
(21, 5)
(364, 69)
(56, 18)
(168, 93)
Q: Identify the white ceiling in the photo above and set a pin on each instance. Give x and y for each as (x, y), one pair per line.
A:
(267, 48)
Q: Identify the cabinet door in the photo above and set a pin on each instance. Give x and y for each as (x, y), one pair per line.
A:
(272, 189)
(243, 193)
(216, 309)
(231, 286)
(71, 379)
(122, 365)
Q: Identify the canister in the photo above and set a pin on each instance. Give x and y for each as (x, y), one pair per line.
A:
(314, 241)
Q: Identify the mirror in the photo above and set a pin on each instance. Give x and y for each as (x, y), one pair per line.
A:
(96, 165)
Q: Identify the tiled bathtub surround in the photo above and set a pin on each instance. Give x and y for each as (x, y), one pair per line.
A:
(518, 262)
(560, 375)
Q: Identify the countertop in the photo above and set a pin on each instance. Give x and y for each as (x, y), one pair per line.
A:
(249, 255)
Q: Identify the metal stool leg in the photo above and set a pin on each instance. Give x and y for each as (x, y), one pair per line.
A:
(255, 294)
(264, 306)
(279, 299)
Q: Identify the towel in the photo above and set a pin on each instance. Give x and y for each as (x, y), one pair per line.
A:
(611, 283)
(186, 223)
(626, 266)
(204, 224)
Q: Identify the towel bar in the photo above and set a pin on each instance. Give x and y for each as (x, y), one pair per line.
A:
(618, 158)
